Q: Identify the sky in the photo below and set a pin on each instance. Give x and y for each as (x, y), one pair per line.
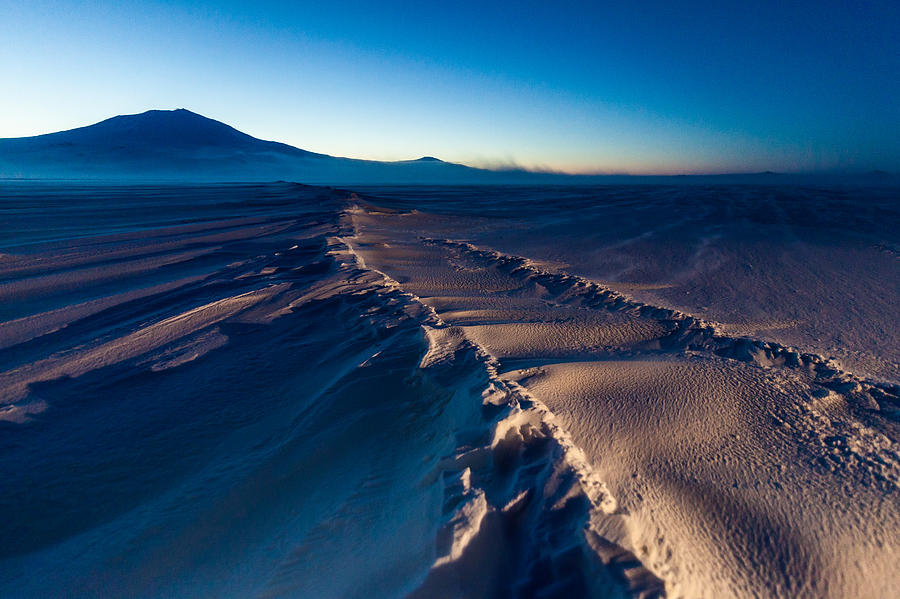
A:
(585, 87)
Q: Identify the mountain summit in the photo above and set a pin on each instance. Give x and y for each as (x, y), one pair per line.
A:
(177, 128)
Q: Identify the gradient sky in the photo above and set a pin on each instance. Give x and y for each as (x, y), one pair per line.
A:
(661, 87)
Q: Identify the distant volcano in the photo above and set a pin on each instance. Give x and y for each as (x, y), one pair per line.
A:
(160, 129)
(182, 145)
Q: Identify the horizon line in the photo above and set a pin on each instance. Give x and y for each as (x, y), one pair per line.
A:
(513, 167)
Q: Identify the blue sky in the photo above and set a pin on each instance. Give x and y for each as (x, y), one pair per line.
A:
(658, 87)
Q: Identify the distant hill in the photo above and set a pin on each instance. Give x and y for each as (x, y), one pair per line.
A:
(180, 145)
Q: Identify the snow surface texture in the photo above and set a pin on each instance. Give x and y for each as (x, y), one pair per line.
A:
(285, 391)
(812, 267)
(733, 466)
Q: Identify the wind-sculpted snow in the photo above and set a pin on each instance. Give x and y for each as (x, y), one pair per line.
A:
(518, 493)
(223, 399)
(809, 267)
(284, 391)
(680, 332)
(729, 466)
(246, 421)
